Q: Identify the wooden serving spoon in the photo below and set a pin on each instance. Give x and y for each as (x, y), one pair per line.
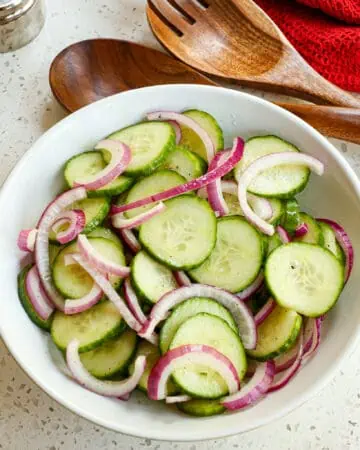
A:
(91, 70)
(236, 40)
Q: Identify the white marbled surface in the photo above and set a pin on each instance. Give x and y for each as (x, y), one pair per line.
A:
(29, 419)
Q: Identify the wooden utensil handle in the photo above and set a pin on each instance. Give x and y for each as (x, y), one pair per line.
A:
(298, 79)
(341, 123)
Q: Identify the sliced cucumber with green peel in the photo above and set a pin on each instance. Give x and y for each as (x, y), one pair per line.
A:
(186, 163)
(201, 408)
(201, 381)
(282, 181)
(81, 167)
(192, 141)
(291, 218)
(277, 334)
(278, 209)
(91, 328)
(150, 143)
(157, 182)
(72, 280)
(150, 278)
(26, 303)
(152, 354)
(233, 204)
(304, 277)
(112, 357)
(274, 242)
(314, 234)
(96, 211)
(330, 241)
(183, 235)
(188, 309)
(236, 259)
(106, 233)
(53, 252)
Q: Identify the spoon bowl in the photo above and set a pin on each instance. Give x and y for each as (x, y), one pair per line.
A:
(91, 70)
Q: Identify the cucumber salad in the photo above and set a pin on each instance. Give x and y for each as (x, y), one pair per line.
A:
(189, 271)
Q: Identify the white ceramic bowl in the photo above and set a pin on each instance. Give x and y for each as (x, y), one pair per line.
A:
(38, 177)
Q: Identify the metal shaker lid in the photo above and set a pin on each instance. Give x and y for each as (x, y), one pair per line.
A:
(12, 9)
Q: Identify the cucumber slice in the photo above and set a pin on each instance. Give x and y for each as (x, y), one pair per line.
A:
(330, 241)
(304, 277)
(291, 219)
(82, 166)
(233, 204)
(95, 209)
(201, 408)
(186, 163)
(314, 234)
(236, 259)
(53, 252)
(72, 280)
(188, 309)
(277, 334)
(274, 242)
(208, 123)
(152, 356)
(183, 235)
(92, 328)
(106, 233)
(283, 181)
(150, 143)
(150, 278)
(157, 182)
(25, 301)
(278, 208)
(200, 381)
(112, 357)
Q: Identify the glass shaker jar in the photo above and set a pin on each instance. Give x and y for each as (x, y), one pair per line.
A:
(20, 22)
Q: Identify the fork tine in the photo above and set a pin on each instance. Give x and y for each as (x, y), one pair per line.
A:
(170, 14)
(190, 7)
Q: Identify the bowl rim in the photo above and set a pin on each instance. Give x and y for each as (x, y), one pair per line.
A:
(316, 386)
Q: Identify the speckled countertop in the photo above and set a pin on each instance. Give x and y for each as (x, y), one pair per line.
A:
(29, 419)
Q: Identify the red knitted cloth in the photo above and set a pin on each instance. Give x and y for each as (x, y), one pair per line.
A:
(325, 33)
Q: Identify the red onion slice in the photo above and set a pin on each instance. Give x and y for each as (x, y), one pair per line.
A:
(106, 388)
(282, 378)
(286, 360)
(181, 278)
(177, 130)
(265, 311)
(84, 303)
(119, 221)
(133, 302)
(42, 241)
(95, 258)
(239, 311)
(301, 230)
(177, 399)
(214, 191)
(109, 291)
(254, 390)
(283, 234)
(254, 287)
(261, 206)
(345, 243)
(268, 162)
(26, 240)
(190, 354)
(76, 223)
(315, 325)
(193, 185)
(130, 240)
(37, 295)
(190, 123)
(120, 159)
